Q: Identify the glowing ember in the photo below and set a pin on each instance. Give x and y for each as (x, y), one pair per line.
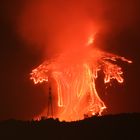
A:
(74, 73)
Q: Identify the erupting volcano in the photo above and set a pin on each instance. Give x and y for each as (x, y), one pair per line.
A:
(74, 73)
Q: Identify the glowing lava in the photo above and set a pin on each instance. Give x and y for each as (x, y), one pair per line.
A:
(74, 72)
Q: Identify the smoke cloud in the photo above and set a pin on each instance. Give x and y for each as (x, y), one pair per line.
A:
(57, 25)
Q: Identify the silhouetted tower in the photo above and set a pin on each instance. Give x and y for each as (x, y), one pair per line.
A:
(50, 105)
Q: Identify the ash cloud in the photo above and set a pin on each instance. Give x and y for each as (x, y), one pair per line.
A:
(56, 25)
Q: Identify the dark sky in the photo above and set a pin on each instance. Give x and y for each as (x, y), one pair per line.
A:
(21, 99)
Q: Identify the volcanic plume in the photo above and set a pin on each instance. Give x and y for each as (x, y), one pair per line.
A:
(69, 31)
(75, 74)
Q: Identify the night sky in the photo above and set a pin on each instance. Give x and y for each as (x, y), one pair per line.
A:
(21, 99)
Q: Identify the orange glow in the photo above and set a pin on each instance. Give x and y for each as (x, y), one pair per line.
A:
(90, 40)
(75, 73)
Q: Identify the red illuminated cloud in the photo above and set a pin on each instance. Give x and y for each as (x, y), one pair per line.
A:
(57, 24)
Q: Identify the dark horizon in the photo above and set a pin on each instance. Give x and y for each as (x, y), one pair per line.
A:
(123, 126)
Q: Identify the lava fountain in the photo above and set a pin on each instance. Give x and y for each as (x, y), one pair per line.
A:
(74, 72)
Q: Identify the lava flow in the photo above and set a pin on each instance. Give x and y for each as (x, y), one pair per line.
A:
(74, 72)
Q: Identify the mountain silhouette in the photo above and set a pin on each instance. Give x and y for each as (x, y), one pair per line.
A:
(121, 126)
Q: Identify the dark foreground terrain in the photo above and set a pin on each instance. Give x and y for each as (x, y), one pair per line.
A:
(123, 126)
